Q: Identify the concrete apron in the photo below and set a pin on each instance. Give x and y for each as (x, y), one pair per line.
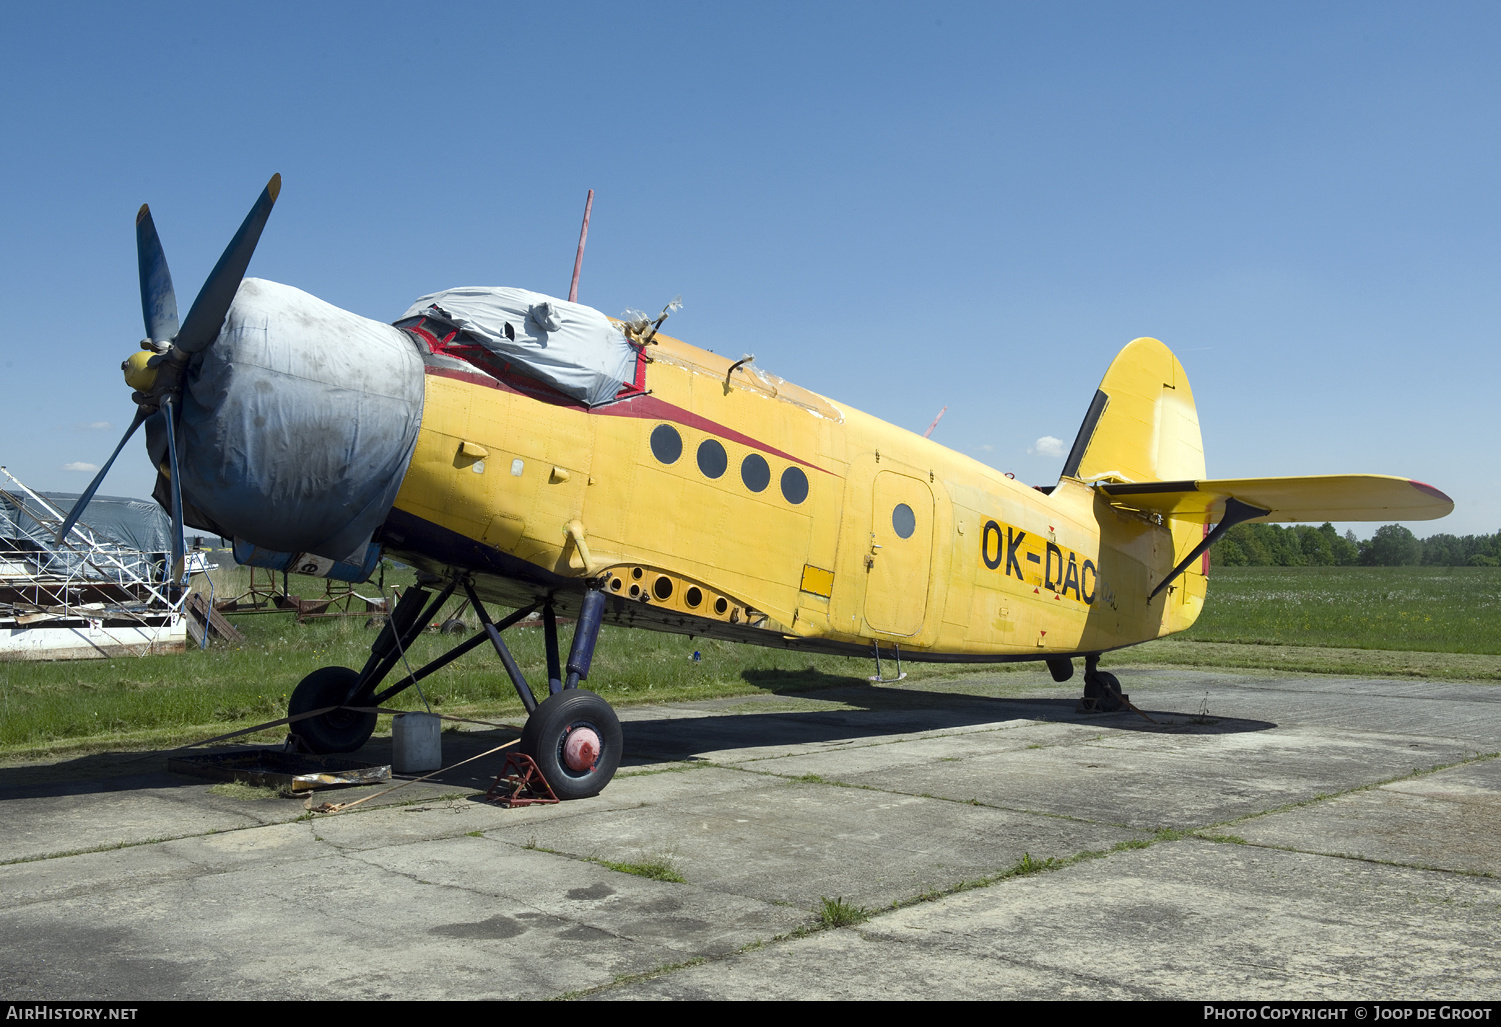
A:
(1305, 838)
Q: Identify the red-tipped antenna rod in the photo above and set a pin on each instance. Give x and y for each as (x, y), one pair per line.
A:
(578, 261)
(929, 432)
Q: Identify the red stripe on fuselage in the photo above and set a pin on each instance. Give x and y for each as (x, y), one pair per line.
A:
(643, 406)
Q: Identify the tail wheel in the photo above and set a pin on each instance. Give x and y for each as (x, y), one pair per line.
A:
(336, 730)
(1112, 688)
(575, 738)
(1105, 688)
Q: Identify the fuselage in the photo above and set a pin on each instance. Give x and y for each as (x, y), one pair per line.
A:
(712, 499)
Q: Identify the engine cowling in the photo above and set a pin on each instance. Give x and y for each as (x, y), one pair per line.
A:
(297, 424)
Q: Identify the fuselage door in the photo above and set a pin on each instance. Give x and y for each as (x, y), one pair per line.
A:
(900, 557)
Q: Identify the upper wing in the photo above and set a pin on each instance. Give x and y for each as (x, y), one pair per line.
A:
(1335, 497)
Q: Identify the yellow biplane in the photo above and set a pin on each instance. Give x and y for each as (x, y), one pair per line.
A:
(529, 452)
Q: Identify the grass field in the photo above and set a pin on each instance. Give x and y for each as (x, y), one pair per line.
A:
(1410, 609)
(1423, 622)
(157, 700)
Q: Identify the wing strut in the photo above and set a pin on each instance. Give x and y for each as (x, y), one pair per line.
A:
(1236, 512)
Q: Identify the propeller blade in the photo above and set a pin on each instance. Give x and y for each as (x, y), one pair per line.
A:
(158, 301)
(178, 546)
(88, 494)
(206, 316)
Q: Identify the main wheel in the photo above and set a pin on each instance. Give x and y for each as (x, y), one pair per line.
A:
(575, 738)
(336, 730)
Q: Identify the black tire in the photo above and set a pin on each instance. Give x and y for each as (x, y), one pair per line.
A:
(547, 729)
(1103, 687)
(337, 730)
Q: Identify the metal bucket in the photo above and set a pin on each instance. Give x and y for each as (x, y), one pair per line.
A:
(416, 743)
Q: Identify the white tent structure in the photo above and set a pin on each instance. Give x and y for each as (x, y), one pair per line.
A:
(97, 593)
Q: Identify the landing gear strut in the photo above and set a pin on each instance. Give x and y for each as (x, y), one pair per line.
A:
(573, 734)
(1102, 691)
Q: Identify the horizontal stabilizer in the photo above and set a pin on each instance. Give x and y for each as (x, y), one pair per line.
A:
(1335, 497)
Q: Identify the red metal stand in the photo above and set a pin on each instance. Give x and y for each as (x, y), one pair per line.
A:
(520, 783)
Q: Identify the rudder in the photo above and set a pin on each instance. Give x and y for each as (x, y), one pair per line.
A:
(1142, 424)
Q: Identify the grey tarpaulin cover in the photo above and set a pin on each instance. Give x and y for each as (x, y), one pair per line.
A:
(138, 524)
(297, 423)
(134, 523)
(574, 348)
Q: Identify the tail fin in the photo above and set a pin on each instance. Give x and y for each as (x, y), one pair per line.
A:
(1140, 445)
(1142, 425)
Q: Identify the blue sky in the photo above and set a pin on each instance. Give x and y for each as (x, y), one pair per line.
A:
(900, 206)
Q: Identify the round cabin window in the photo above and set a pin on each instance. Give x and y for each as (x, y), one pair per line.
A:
(755, 472)
(903, 521)
(712, 459)
(666, 443)
(794, 485)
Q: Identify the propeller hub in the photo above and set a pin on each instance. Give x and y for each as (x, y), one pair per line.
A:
(139, 375)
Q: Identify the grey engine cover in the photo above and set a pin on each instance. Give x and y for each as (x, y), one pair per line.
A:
(298, 423)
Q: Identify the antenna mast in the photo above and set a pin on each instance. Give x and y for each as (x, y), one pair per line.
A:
(929, 432)
(578, 261)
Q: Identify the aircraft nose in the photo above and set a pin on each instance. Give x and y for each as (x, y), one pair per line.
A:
(298, 423)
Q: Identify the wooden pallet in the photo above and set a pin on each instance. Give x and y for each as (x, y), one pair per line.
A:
(202, 617)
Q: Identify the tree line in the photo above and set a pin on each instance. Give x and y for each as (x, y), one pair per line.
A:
(1303, 545)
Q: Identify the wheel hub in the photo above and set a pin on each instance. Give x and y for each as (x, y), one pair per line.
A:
(581, 748)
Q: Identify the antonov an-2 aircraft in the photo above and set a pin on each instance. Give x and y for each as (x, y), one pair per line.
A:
(530, 452)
